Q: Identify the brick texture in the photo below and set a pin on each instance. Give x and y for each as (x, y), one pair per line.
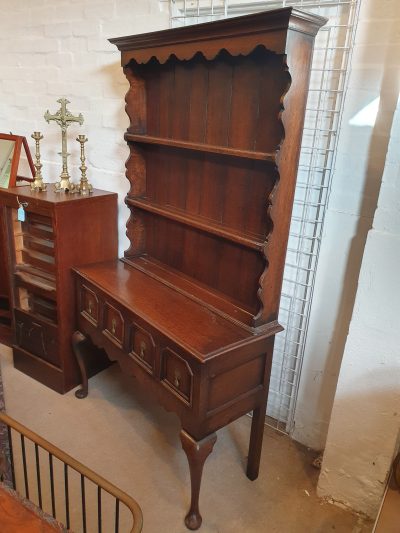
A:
(52, 49)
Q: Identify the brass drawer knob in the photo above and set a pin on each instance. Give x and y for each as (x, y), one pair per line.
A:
(142, 352)
(113, 326)
(177, 379)
(90, 307)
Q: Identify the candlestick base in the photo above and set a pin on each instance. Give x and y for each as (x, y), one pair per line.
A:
(84, 187)
(38, 185)
(64, 185)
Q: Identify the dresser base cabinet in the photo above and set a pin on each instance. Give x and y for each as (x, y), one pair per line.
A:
(191, 360)
(216, 116)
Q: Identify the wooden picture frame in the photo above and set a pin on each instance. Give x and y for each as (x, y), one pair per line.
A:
(11, 176)
(9, 163)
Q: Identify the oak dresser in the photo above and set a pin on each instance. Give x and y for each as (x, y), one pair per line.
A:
(216, 116)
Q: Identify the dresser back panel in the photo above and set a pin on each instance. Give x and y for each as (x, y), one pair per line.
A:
(228, 101)
(203, 139)
(198, 185)
(193, 252)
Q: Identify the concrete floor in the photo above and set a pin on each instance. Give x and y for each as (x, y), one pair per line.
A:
(123, 436)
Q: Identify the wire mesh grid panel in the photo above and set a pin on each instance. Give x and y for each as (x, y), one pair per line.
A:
(330, 67)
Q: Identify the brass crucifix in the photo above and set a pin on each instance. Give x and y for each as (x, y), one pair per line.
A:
(64, 118)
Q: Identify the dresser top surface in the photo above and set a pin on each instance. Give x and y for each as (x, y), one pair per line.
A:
(236, 35)
(24, 193)
(188, 323)
(263, 21)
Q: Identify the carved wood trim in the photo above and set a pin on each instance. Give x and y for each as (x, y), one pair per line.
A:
(259, 320)
(268, 28)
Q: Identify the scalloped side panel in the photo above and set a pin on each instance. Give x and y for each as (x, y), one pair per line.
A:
(259, 319)
(136, 171)
(135, 100)
(136, 174)
(135, 231)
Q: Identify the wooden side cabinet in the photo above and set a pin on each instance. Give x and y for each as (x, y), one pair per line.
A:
(56, 232)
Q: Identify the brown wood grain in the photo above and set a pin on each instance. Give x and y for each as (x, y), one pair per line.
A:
(18, 518)
(82, 230)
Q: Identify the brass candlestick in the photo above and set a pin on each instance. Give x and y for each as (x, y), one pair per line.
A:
(84, 187)
(38, 183)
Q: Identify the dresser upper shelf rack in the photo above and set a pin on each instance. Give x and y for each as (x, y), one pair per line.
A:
(255, 242)
(201, 147)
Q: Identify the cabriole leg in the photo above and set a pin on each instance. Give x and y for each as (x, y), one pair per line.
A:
(78, 339)
(196, 452)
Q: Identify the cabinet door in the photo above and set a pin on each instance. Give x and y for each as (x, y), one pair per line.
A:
(37, 336)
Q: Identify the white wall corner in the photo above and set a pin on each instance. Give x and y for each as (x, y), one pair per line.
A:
(360, 162)
(365, 423)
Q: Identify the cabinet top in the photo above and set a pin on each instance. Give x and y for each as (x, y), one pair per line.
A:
(24, 193)
(237, 35)
(187, 322)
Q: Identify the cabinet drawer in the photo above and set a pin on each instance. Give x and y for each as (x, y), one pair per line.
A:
(37, 337)
(143, 348)
(43, 307)
(113, 324)
(177, 375)
(89, 305)
(38, 260)
(45, 246)
(38, 225)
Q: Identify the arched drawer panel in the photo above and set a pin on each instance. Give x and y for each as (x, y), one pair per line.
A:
(177, 375)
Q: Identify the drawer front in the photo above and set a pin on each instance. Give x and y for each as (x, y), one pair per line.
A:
(114, 324)
(89, 305)
(43, 306)
(139, 342)
(143, 348)
(45, 246)
(39, 260)
(177, 375)
(37, 337)
(38, 226)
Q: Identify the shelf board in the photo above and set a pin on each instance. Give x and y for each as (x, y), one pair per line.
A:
(25, 267)
(193, 289)
(250, 241)
(201, 147)
(35, 286)
(34, 315)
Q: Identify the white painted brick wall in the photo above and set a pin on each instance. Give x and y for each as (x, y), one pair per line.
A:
(55, 48)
